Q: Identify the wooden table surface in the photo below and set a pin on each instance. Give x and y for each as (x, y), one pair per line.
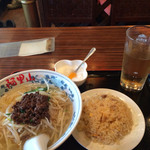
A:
(74, 43)
(70, 43)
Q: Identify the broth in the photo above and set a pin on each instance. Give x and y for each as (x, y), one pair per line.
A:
(13, 136)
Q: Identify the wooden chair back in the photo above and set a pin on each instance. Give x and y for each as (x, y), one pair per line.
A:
(70, 11)
(130, 12)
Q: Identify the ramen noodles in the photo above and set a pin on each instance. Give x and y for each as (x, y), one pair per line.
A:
(57, 113)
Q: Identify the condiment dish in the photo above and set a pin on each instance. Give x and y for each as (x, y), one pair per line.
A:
(65, 67)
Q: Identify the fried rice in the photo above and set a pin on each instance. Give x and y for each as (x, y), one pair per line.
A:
(105, 119)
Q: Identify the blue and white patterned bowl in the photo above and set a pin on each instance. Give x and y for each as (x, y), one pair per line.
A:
(59, 80)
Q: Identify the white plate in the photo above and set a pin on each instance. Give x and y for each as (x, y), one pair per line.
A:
(129, 141)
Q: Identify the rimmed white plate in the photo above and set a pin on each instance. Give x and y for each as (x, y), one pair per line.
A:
(129, 141)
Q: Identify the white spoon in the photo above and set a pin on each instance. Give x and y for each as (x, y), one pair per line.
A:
(37, 143)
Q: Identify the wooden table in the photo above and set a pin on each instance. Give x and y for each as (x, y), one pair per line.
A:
(74, 43)
(70, 43)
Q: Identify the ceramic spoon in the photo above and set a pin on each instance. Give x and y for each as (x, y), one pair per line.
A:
(37, 143)
(74, 73)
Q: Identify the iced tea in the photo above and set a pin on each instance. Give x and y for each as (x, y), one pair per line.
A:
(136, 63)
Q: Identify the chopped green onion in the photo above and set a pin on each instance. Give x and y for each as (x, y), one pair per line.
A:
(22, 111)
(10, 119)
(36, 90)
(49, 98)
(8, 114)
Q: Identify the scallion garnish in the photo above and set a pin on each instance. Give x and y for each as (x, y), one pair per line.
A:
(36, 90)
(8, 114)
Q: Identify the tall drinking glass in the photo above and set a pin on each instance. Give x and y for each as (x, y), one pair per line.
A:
(136, 59)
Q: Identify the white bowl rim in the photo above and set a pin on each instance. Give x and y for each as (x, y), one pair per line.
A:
(67, 60)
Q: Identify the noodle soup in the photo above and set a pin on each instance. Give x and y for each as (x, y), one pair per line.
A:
(54, 124)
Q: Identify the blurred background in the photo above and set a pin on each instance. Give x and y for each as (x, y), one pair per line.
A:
(47, 13)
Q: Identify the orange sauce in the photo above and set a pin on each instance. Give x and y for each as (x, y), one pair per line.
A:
(72, 75)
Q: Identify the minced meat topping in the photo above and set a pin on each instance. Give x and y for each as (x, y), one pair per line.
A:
(31, 109)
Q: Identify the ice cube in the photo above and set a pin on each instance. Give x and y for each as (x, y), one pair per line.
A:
(141, 38)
